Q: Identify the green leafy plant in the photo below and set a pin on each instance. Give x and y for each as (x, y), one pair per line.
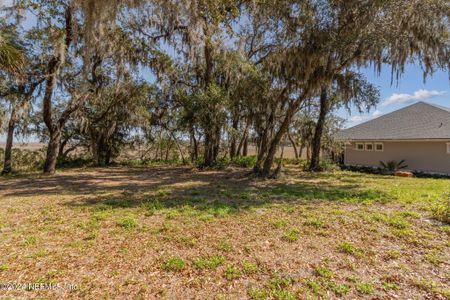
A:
(244, 161)
(393, 165)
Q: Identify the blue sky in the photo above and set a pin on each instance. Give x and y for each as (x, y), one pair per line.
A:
(409, 89)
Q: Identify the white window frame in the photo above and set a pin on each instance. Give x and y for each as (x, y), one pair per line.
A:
(375, 147)
(363, 147)
(367, 144)
(448, 148)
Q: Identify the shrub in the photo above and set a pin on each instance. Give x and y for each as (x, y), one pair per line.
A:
(392, 165)
(328, 165)
(244, 161)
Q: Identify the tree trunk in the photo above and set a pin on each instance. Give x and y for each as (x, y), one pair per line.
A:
(263, 145)
(52, 151)
(52, 70)
(235, 124)
(245, 148)
(168, 148)
(7, 166)
(294, 145)
(62, 147)
(276, 141)
(212, 143)
(208, 160)
(317, 139)
(194, 146)
(243, 143)
(277, 172)
(178, 146)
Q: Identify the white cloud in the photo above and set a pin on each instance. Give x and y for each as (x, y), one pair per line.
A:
(377, 114)
(419, 95)
(355, 120)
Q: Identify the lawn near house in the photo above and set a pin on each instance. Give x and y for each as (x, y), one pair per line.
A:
(176, 233)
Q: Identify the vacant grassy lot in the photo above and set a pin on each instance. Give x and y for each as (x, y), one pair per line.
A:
(180, 234)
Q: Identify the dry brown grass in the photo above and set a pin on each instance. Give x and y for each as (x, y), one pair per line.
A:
(177, 233)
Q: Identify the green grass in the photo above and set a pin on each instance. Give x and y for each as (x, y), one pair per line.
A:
(230, 232)
(315, 286)
(249, 267)
(224, 246)
(30, 240)
(365, 288)
(314, 222)
(232, 272)
(393, 254)
(324, 272)
(279, 223)
(434, 258)
(175, 264)
(291, 235)
(258, 294)
(210, 262)
(279, 282)
(390, 286)
(283, 295)
(4, 268)
(128, 222)
(349, 248)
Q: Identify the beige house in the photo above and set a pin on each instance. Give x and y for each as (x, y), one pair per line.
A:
(418, 134)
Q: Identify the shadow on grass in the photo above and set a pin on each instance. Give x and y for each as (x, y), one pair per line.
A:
(222, 195)
(323, 192)
(160, 188)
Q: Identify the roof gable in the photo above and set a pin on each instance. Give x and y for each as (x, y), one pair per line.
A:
(417, 121)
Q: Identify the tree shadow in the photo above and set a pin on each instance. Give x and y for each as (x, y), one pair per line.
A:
(225, 194)
(183, 188)
(91, 181)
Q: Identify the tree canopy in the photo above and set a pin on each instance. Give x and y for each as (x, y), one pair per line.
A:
(203, 78)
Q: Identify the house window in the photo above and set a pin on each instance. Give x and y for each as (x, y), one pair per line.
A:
(359, 146)
(369, 147)
(448, 148)
(379, 147)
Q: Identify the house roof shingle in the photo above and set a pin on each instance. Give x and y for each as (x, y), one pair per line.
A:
(418, 121)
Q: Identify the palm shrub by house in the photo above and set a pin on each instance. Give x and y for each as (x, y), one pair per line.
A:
(393, 165)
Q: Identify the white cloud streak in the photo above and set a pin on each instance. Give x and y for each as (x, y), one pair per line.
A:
(419, 95)
(355, 120)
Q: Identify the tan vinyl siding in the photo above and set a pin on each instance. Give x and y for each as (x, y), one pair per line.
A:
(427, 156)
